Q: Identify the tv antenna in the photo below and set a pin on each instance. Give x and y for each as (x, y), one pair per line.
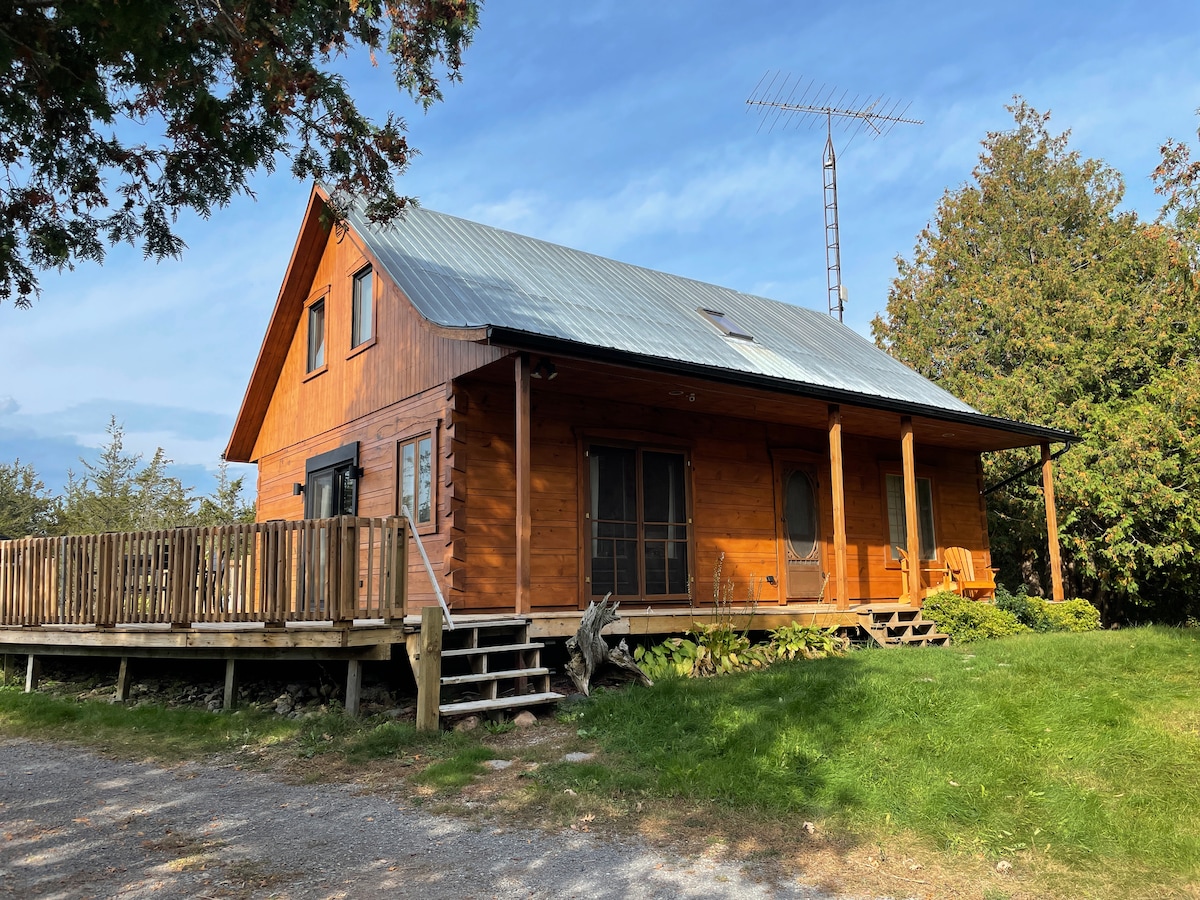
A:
(787, 103)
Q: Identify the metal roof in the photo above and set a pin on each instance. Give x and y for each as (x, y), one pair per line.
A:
(463, 274)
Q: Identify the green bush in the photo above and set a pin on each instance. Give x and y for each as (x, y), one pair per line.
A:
(1039, 614)
(1072, 615)
(968, 620)
(794, 640)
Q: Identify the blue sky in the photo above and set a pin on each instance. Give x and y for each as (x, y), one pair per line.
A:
(619, 128)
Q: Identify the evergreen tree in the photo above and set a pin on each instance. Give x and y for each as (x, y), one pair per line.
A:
(225, 505)
(117, 494)
(1033, 296)
(27, 508)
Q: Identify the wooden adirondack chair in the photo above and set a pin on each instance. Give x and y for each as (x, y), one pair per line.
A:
(962, 578)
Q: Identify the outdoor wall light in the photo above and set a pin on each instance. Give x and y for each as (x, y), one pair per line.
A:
(355, 472)
(771, 579)
(544, 369)
(297, 489)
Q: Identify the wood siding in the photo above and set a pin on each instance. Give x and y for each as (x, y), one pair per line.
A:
(404, 358)
(734, 496)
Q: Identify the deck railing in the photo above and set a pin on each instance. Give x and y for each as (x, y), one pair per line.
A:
(335, 569)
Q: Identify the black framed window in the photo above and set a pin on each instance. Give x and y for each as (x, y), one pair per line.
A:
(361, 319)
(316, 336)
(640, 532)
(331, 483)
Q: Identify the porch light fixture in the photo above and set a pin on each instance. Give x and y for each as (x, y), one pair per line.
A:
(355, 472)
(544, 369)
(297, 489)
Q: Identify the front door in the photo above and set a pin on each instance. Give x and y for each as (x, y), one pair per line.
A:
(804, 577)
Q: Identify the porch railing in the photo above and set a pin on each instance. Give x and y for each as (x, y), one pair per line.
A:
(336, 569)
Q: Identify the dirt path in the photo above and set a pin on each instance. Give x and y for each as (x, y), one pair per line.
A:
(76, 825)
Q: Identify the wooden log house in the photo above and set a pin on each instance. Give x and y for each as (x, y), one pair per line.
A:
(559, 427)
(563, 426)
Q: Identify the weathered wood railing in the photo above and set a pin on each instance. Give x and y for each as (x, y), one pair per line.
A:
(271, 572)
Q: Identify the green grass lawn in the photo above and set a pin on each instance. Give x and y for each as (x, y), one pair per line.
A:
(1078, 751)
(1076, 757)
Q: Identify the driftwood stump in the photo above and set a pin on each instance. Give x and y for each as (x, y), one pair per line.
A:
(589, 651)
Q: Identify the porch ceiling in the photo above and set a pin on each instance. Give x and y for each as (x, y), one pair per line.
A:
(670, 390)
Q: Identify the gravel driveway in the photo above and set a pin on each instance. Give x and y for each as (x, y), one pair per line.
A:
(76, 825)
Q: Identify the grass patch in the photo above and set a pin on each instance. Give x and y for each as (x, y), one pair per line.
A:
(1062, 752)
(167, 734)
(457, 771)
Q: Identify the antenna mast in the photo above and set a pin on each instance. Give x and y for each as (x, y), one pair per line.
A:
(781, 101)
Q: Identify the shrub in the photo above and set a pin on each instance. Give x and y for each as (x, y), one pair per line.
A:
(968, 620)
(1072, 615)
(804, 641)
(1042, 615)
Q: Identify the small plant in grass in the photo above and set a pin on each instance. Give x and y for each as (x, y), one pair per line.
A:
(796, 641)
(967, 620)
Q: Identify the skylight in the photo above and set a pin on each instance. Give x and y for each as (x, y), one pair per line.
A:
(728, 327)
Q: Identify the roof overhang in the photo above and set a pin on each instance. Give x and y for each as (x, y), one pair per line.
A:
(991, 432)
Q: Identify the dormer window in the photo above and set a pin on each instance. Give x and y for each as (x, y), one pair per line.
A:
(727, 326)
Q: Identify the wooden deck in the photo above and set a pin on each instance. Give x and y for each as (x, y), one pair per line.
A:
(320, 587)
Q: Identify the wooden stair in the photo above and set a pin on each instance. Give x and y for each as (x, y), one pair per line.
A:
(897, 624)
(489, 666)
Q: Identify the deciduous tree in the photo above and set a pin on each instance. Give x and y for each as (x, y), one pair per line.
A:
(1033, 296)
(115, 115)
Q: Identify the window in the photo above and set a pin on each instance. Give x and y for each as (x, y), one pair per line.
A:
(726, 324)
(362, 308)
(316, 336)
(331, 483)
(417, 478)
(898, 525)
(640, 531)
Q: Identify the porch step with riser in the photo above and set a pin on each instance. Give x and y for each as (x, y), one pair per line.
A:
(894, 624)
(492, 666)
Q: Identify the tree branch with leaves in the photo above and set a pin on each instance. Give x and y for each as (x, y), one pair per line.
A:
(116, 115)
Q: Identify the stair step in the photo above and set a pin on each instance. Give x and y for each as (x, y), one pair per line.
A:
(474, 706)
(465, 625)
(495, 676)
(499, 648)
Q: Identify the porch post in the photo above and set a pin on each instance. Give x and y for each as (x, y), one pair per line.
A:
(524, 518)
(1056, 582)
(842, 581)
(911, 518)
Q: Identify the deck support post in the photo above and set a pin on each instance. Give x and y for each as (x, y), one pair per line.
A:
(911, 512)
(524, 500)
(1056, 580)
(123, 680)
(33, 674)
(429, 672)
(837, 481)
(354, 685)
(7, 668)
(231, 685)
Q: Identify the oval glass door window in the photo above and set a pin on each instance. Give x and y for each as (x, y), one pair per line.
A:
(800, 514)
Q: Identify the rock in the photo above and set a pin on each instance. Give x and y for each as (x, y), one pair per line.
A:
(394, 713)
(215, 705)
(497, 764)
(470, 723)
(1004, 867)
(578, 757)
(809, 827)
(284, 704)
(525, 719)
